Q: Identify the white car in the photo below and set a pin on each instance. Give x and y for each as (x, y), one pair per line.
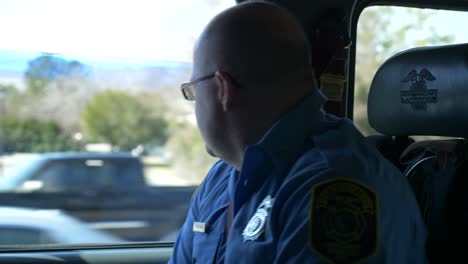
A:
(25, 226)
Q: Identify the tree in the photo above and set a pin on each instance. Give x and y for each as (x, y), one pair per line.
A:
(189, 154)
(33, 135)
(120, 119)
(62, 101)
(8, 89)
(47, 68)
(6, 92)
(154, 103)
(50, 80)
(76, 93)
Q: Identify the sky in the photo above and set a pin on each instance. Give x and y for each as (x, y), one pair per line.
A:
(452, 23)
(136, 32)
(445, 22)
(163, 30)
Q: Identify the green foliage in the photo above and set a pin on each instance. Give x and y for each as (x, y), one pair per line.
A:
(32, 135)
(7, 90)
(13, 98)
(122, 120)
(47, 68)
(154, 103)
(189, 154)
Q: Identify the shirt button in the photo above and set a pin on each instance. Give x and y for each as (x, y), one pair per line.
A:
(245, 183)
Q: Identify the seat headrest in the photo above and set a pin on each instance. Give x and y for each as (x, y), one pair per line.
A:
(422, 91)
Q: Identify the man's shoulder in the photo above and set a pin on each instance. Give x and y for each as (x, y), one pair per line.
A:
(216, 180)
(339, 152)
(218, 172)
(345, 147)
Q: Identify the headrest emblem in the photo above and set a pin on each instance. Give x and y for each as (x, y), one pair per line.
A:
(418, 96)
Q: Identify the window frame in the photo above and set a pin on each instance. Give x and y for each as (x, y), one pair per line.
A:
(360, 5)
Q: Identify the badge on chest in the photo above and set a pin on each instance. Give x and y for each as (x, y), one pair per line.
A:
(256, 225)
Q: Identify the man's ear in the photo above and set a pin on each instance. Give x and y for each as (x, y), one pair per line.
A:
(226, 90)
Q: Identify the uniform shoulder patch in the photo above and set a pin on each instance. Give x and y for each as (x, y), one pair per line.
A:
(343, 226)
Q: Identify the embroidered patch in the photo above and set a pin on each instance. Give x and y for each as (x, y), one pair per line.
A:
(343, 226)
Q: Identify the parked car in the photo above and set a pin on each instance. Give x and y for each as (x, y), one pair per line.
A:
(27, 226)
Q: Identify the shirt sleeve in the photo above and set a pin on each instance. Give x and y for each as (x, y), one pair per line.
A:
(293, 246)
(183, 247)
(327, 218)
(184, 244)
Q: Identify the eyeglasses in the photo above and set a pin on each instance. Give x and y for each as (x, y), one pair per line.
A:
(188, 89)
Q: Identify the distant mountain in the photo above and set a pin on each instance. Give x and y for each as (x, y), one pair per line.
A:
(147, 78)
(136, 79)
(113, 73)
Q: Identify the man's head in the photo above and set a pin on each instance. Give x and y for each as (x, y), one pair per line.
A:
(260, 58)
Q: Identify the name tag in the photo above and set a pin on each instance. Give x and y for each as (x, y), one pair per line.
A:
(199, 227)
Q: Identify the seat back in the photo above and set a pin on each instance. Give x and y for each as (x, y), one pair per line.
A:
(391, 147)
(436, 170)
(423, 91)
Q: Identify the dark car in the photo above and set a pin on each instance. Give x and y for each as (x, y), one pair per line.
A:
(60, 172)
(106, 190)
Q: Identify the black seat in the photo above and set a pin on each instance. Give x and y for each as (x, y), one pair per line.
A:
(391, 147)
(424, 91)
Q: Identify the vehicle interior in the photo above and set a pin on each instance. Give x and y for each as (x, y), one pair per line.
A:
(411, 105)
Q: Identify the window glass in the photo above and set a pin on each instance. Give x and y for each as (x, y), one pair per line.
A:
(51, 178)
(22, 236)
(92, 175)
(384, 31)
(93, 124)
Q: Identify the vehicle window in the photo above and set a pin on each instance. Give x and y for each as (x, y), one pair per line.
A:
(52, 178)
(22, 236)
(92, 175)
(378, 40)
(21, 167)
(92, 120)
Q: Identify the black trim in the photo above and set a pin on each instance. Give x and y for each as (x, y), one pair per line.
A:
(75, 247)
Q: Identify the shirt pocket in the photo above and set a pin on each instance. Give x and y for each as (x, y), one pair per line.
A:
(205, 245)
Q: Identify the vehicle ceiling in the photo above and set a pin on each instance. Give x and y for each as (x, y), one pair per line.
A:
(313, 12)
(333, 17)
(309, 12)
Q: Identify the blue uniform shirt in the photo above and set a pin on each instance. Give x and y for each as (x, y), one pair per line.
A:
(305, 148)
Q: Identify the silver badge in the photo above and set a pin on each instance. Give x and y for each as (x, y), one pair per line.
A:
(256, 225)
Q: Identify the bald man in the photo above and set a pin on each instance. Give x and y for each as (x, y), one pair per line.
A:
(294, 184)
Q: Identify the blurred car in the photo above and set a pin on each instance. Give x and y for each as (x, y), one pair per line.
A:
(25, 226)
(56, 172)
(106, 190)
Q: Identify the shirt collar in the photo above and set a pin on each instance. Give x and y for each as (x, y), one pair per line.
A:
(289, 133)
(280, 145)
